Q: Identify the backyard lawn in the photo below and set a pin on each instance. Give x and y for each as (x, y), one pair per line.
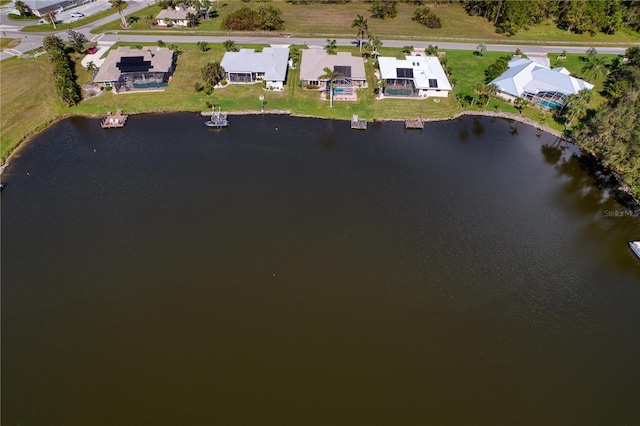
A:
(180, 95)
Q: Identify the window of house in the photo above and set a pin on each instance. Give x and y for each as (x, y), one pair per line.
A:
(433, 82)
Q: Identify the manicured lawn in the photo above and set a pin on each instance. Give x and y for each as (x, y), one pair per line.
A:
(78, 23)
(181, 96)
(27, 98)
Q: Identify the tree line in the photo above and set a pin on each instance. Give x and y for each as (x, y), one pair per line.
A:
(578, 16)
(612, 132)
(63, 71)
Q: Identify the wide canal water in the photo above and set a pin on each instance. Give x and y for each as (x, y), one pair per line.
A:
(291, 271)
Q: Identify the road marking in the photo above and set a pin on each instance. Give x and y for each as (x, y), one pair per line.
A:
(97, 37)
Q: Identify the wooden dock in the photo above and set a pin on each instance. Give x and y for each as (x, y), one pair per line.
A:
(113, 121)
(414, 124)
(357, 123)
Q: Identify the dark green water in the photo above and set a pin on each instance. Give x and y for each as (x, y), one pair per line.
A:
(294, 272)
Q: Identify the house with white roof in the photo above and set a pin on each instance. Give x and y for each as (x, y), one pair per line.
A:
(128, 69)
(539, 84)
(350, 68)
(249, 66)
(175, 16)
(417, 76)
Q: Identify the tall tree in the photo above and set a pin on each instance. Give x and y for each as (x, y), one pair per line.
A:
(119, 5)
(50, 17)
(330, 47)
(212, 73)
(376, 44)
(362, 28)
(77, 40)
(332, 76)
(595, 67)
(576, 106)
(22, 8)
(230, 46)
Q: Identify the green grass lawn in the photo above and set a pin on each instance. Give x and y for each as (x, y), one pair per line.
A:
(336, 19)
(180, 95)
(6, 42)
(75, 24)
(138, 21)
(27, 99)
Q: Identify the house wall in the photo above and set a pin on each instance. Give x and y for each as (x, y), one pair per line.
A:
(432, 93)
(505, 96)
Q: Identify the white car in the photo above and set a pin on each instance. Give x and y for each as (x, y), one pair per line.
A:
(77, 15)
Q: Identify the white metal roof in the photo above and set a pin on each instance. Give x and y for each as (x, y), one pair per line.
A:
(272, 61)
(424, 68)
(527, 76)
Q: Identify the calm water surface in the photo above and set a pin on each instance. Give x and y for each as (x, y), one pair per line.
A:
(294, 272)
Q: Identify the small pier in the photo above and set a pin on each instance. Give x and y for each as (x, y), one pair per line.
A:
(218, 119)
(116, 120)
(414, 124)
(357, 123)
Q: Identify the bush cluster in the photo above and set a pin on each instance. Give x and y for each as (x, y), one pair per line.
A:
(265, 18)
(426, 17)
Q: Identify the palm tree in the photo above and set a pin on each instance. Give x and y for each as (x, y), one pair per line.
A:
(362, 29)
(119, 4)
(191, 19)
(330, 47)
(330, 75)
(490, 90)
(520, 103)
(91, 68)
(50, 17)
(481, 48)
(576, 106)
(594, 67)
(376, 43)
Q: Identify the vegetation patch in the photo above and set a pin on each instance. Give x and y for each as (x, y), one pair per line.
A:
(265, 18)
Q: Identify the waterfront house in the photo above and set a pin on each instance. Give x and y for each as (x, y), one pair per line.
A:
(351, 69)
(542, 86)
(249, 66)
(128, 69)
(414, 76)
(175, 16)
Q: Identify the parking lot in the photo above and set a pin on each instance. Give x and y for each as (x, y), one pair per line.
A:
(86, 9)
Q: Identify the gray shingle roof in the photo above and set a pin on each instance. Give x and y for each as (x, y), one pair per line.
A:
(272, 61)
(161, 61)
(315, 60)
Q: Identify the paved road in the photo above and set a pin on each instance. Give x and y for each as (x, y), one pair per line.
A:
(30, 41)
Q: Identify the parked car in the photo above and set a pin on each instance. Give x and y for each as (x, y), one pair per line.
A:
(92, 50)
(77, 15)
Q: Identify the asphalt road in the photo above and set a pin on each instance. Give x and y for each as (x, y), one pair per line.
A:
(30, 41)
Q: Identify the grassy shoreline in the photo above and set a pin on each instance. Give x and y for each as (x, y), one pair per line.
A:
(29, 104)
